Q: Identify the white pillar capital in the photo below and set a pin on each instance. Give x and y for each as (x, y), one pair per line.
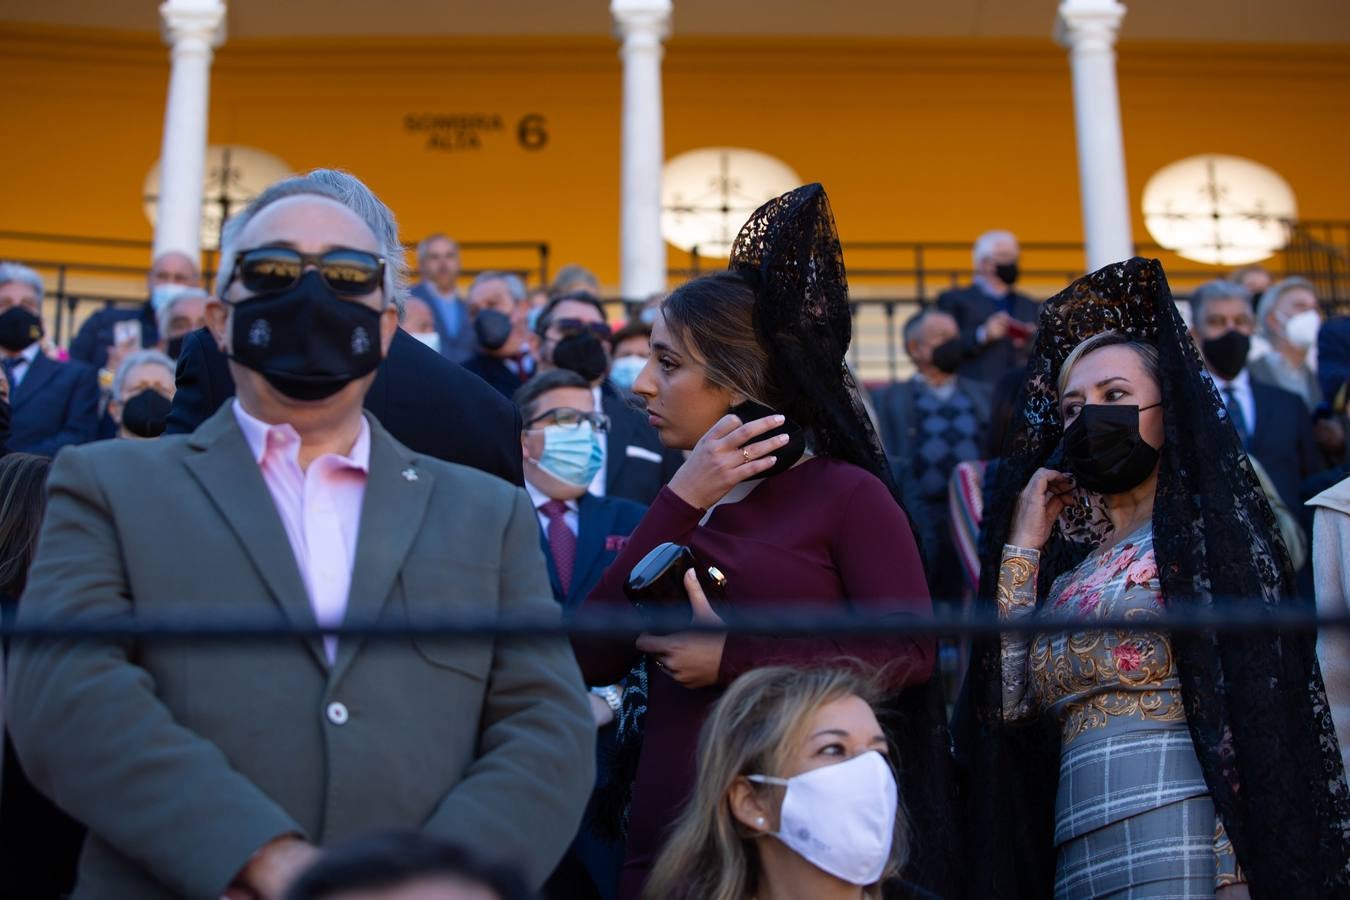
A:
(192, 22)
(644, 22)
(1089, 22)
(642, 25)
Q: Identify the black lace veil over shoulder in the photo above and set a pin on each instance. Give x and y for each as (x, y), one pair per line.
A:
(789, 252)
(1255, 704)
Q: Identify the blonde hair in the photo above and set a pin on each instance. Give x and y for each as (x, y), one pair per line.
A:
(1147, 352)
(755, 728)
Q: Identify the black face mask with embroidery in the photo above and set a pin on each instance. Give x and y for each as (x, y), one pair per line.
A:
(306, 341)
(19, 328)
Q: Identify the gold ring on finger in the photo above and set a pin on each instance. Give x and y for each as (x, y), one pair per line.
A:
(745, 453)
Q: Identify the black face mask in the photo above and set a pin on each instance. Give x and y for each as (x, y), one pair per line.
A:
(146, 414)
(175, 346)
(1104, 450)
(1227, 353)
(307, 342)
(948, 356)
(582, 353)
(492, 328)
(1007, 273)
(4, 421)
(19, 328)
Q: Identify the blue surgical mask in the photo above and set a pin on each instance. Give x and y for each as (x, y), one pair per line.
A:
(624, 370)
(431, 338)
(572, 455)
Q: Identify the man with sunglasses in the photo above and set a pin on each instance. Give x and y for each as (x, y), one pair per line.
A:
(573, 334)
(210, 769)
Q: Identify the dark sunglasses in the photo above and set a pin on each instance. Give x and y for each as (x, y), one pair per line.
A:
(265, 270)
(572, 327)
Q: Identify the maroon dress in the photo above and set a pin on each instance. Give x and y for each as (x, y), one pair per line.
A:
(823, 535)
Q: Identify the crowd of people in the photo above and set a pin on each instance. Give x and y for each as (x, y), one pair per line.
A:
(309, 442)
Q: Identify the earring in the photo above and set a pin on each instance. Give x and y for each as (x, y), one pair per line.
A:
(759, 821)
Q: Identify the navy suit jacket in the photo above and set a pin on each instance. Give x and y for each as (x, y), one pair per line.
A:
(636, 462)
(603, 527)
(91, 344)
(55, 404)
(971, 306)
(458, 341)
(495, 372)
(429, 404)
(1282, 441)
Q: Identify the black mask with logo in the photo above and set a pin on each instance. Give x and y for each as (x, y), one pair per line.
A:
(492, 328)
(582, 353)
(19, 328)
(1104, 450)
(1227, 353)
(948, 356)
(146, 414)
(1008, 273)
(306, 341)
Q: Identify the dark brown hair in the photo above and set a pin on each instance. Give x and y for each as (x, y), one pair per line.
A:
(23, 500)
(713, 317)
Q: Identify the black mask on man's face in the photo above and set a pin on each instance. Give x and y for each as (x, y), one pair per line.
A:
(306, 341)
(1227, 353)
(492, 328)
(174, 347)
(1008, 272)
(948, 356)
(19, 328)
(582, 353)
(146, 414)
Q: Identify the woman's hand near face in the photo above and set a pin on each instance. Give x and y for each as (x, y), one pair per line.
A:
(693, 658)
(717, 462)
(1039, 505)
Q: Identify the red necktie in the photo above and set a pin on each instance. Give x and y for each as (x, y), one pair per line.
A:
(562, 543)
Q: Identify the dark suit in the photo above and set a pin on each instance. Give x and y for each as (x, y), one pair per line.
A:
(458, 342)
(495, 372)
(91, 344)
(1282, 441)
(591, 867)
(428, 403)
(636, 463)
(971, 307)
(898, 424)
(55, 404)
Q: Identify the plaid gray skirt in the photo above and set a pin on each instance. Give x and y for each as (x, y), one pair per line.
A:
(1162, 854)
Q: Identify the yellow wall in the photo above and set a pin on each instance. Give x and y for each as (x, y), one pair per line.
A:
(914, 140)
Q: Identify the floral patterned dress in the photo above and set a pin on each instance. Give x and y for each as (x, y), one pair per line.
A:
(1133, 817)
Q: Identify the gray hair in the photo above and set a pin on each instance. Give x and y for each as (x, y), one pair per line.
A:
(425, 244)
(984, 244)
(1272, 296)
(165, 312)
(1218, 289)
(139, 358)
(574, 277)
(510, 279)
(337, 185)
(12, 271)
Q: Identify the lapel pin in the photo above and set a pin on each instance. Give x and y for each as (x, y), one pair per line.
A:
(410, 474)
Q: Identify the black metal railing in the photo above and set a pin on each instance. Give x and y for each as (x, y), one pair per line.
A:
(1320, 251)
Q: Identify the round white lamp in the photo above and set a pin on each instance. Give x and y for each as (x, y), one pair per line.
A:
(707, 194)
(234, 176)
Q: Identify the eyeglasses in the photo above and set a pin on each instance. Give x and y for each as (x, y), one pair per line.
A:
(572, 327)
(566, 417)
(353, 273)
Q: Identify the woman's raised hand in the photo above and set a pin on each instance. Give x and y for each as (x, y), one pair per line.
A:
(1038, 506)
(717, 463)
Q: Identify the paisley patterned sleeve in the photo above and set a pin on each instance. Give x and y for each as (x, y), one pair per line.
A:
(1016, 601)
(1227, 871)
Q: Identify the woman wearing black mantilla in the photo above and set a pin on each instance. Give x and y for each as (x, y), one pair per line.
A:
(1108, 763)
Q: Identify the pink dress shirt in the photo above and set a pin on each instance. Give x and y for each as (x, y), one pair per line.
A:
(320, 508)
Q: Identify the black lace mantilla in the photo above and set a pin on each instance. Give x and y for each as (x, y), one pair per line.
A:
(1255, 704)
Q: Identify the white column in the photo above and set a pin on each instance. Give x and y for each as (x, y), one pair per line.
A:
(1088, 28)
(191, 28)
(641, 24)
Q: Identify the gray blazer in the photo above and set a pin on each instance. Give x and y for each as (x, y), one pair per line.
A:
(183, 759)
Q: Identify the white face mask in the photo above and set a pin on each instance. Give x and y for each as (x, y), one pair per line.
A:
(624, 370)
(841, 818)
(431, 338)
(1301, 330)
